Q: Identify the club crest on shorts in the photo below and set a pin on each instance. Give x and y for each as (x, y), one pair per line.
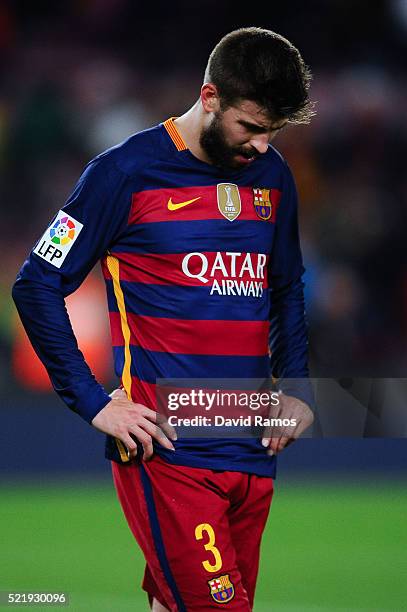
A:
(262, 203)
(229, 202)
(221, 589)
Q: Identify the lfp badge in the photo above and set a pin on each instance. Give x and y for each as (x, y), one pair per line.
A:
(221, 589)
(63, 231)
(58, 239)
(262, 203)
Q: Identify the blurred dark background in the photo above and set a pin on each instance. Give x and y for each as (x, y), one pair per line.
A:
(80, 76)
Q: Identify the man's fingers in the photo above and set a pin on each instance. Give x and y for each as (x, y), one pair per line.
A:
(277, 443)
(125, 418)
(270, 431)
(161, 421)
(275, 438)
(274, 443)
(287, 433)
(145, 440)
(146, 428)
(168, 429)
(147, 448)
(130, 445)
(282, 442)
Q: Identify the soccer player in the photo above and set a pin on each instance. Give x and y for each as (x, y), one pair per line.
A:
(195, 223)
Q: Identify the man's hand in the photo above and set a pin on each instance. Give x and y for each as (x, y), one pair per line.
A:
(122, 418)
(278, 437)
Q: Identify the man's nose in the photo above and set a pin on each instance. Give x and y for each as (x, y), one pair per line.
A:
(260, 142)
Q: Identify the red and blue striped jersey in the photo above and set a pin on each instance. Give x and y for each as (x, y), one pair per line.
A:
(203, 275)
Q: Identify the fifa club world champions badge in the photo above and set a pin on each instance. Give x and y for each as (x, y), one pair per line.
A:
(262, 203)
(221, 589)
(229, 202)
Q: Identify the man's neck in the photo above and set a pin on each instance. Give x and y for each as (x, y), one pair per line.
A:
(190, 126)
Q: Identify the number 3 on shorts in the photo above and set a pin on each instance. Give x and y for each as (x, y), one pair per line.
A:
(199, 531)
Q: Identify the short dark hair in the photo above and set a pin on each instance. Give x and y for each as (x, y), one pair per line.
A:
(262, 66)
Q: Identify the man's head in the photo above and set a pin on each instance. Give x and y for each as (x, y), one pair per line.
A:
(255, 82)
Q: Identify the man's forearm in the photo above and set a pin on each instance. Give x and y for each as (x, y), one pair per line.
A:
(44, 316)
(289, 341)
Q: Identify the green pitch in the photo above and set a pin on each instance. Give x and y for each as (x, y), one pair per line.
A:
(337, 547)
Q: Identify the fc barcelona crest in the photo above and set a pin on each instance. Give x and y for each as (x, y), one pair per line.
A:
(221, 589)
(262, 203)
(229, 202)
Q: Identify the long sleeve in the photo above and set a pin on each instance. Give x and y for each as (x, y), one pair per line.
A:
(78, 236)
(288, 327)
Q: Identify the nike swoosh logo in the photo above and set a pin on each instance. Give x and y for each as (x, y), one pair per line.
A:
(172, 206)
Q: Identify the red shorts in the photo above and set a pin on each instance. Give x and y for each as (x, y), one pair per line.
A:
(199, 530)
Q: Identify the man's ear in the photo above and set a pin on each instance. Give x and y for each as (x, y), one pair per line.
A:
(210, 98)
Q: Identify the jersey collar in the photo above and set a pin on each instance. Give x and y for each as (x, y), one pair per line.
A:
(174, 134)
